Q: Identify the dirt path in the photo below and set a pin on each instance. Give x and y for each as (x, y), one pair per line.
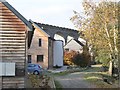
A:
(73, 80)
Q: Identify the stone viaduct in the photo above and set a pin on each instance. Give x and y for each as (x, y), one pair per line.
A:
(64, 32)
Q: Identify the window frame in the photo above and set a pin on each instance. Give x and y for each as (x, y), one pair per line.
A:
(30, 58)
(42, 58)
(40, 42)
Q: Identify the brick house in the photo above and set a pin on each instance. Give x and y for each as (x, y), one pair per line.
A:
(38, 51)
(42, 49)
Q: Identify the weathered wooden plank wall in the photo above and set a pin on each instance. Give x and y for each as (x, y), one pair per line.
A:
(12, 46)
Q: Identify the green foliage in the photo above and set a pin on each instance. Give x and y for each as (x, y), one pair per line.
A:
(81, 60)
(99, 27)
(103, 58)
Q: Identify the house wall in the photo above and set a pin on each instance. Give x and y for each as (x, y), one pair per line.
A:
(35, 50)
(50, 54)
(12, 46)
(73, 45)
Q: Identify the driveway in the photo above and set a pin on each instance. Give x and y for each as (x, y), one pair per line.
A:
(73, 80)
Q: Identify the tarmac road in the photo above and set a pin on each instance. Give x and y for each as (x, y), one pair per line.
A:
(74, 80)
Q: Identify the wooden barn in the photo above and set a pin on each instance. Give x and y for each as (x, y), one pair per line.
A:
(13, 46)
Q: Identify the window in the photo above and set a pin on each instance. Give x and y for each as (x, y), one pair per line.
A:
(66, 49)
(40, 43)
(29, 58)
(39, 58)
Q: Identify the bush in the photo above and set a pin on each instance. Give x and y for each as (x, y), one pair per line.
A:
(75, 58)
(81, 60)
(68, 56)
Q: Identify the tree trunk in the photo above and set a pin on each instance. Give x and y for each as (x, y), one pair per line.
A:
(112, 56)
(119, 42)
(111, 68)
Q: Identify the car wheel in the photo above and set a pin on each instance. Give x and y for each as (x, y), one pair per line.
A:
(36, 72)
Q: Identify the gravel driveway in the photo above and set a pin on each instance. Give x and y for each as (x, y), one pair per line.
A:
(73, 80)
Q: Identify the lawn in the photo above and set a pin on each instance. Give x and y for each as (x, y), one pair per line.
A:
(100, 79)
(92, 74)
(68, 71)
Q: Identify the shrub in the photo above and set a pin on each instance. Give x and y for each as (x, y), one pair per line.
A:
(75, 58)
(81, 60)
(68, 56)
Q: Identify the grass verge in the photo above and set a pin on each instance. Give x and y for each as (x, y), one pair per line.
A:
(58, 85)
(96, 78)
(69, 71)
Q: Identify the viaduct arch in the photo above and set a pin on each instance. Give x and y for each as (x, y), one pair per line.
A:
(64, 32)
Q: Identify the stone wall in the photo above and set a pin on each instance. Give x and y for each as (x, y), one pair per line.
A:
(35, 50)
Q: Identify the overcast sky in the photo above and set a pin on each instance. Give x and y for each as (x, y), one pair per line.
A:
(53, 12)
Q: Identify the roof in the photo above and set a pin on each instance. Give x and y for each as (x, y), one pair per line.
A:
(80, 43)
(27, 23)
(37, 26)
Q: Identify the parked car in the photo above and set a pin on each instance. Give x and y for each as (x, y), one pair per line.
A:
(34, 69)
